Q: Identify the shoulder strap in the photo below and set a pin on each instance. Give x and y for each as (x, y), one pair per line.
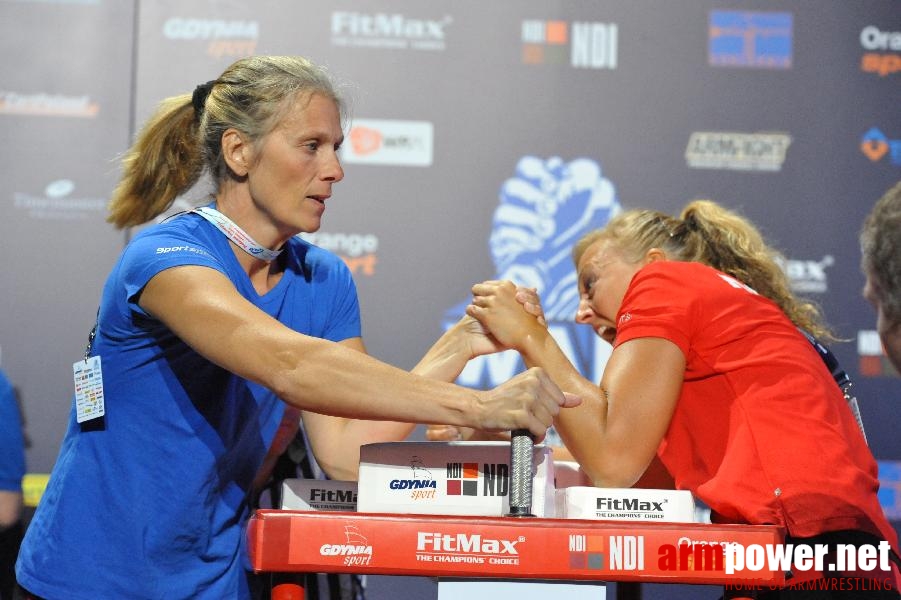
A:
(841, 378)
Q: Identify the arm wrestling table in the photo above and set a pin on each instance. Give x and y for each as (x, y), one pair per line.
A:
(517, 546)
(281, 541)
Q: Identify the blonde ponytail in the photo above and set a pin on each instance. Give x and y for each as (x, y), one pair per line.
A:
(164, 161)
(732, 244)
(707, 233)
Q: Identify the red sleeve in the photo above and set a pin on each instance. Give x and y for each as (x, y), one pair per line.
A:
(658, 304)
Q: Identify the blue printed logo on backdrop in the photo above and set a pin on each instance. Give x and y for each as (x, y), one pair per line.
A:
(890, 488)
(875, 145)
(544, 209)
(761, 40)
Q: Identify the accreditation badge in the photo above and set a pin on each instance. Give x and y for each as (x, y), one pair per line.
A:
(88, 389)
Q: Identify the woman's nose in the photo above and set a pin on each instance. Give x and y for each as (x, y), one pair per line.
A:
(584, 313)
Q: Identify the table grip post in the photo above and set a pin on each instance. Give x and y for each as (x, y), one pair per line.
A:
(521, 458)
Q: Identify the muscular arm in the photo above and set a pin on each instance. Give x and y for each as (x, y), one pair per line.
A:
(463, 341)
(615, 432)
(336, 441)
(201, 306)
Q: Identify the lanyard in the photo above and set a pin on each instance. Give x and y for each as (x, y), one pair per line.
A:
(236, 234)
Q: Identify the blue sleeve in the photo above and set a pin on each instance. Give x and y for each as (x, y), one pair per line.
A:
(343, 321)
(148, 255)
(12, 442)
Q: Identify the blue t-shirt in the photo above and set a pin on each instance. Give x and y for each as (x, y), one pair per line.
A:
(12, 443)
(151, 501)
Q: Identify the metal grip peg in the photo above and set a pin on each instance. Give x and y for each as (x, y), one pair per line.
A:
(521, 458)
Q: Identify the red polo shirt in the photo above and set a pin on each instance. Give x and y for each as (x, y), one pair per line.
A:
(761, 432)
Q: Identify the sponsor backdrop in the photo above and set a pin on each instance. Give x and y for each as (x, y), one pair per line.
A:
(483, 140)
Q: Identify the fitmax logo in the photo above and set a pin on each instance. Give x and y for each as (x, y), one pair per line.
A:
(461, 542)
(320, 495)
(629, 504)
(385, 25)
(391, 31)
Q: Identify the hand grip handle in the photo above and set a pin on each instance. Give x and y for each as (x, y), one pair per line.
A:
(521, 458)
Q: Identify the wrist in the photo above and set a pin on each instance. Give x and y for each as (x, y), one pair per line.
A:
(475, 414)
(532, 345)
(445, 359)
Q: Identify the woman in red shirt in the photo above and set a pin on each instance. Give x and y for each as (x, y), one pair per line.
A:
(711, 372)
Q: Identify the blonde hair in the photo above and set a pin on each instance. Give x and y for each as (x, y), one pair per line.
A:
(183, 137)
(706, 232)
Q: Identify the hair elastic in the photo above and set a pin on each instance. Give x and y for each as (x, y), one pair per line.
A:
(201, 92)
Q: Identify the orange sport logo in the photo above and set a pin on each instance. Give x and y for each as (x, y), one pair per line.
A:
(883, 56)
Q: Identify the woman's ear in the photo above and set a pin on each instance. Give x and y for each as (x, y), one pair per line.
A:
(236, 152)
(653, 255)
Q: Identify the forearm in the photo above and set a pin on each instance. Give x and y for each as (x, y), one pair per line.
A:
(326, 378)
(447, 357)
(613, 449)
(338, 453)
(336, 441)
(202, 308)
(583, 428)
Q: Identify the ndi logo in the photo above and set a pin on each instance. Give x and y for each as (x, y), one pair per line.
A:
(587, 45)
(586, 551)
(623, 552)
(463, 479)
